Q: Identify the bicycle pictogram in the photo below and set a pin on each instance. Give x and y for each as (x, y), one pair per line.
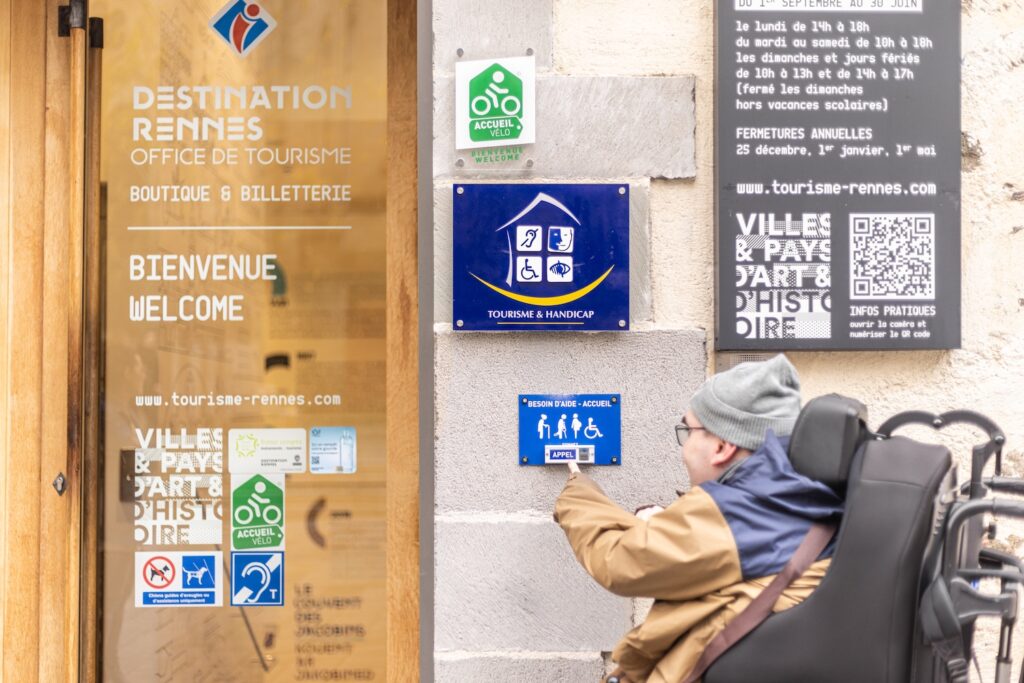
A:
(496, 97)
(258, 507)
(257, 512)
(495, 104)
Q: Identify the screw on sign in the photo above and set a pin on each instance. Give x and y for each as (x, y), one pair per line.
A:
(158, 572)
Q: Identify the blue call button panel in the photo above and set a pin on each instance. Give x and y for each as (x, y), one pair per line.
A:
(562, 428)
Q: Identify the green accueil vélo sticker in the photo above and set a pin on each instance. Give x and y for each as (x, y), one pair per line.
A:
(495, 105)
(257, 512)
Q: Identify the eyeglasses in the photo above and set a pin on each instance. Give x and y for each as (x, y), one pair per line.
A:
(683, 430)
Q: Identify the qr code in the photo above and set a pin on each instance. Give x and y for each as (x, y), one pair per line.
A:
(892, 256)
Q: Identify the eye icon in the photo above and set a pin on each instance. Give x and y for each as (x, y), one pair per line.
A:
(559, 269)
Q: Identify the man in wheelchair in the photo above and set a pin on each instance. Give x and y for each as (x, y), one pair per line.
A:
(707, 555)
(895, 592)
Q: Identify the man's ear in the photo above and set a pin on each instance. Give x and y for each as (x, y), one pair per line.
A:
(724, 453)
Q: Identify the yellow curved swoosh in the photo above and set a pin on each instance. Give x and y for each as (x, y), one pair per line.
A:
(548, 300)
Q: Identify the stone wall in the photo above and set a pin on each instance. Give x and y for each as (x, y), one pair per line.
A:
(511, 603)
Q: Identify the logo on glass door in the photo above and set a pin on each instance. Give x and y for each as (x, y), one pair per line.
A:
(243, 25)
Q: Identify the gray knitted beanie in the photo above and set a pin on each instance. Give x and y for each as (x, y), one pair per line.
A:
(740, 404)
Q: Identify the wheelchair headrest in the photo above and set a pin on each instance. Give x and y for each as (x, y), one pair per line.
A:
(828, 431)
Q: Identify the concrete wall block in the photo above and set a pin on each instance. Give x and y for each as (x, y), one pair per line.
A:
(519, 669)
(639, 251)
(485, 29)
(511, 585)
(478, 377)
(589, 127)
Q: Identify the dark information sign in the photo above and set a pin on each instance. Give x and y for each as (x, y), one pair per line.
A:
(838, 174)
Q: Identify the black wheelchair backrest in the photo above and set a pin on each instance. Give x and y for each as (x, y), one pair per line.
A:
(858, 625)
(828, 431)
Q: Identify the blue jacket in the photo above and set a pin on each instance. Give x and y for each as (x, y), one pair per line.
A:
(769, 507)
(703, 558)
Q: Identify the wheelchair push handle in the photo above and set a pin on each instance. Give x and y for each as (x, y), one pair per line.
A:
(943, 420)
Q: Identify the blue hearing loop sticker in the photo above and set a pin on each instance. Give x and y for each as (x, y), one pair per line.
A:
(541, 257)
(561, 428)
(257, 579)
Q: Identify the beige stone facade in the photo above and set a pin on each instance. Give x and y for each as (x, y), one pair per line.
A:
(661, 40)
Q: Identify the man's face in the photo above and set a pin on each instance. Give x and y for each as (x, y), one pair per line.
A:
(704, 454)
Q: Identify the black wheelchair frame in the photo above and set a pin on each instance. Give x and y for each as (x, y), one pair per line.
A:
(903, 595)
(956, 563)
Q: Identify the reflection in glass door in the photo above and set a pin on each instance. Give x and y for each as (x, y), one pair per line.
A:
(244, 159)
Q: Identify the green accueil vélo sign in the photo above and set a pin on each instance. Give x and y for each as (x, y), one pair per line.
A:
(257, 514)
(495, 105)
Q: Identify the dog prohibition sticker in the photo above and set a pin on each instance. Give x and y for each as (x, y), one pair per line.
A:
(179, 579)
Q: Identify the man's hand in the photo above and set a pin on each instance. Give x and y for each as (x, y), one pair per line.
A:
(648, 511)
(573, 468)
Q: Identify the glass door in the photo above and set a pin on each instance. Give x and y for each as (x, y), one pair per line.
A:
(245, 472)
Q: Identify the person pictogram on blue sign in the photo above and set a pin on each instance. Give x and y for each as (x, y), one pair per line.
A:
(543, 428)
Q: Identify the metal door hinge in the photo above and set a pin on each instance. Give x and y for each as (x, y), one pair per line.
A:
(73, 15)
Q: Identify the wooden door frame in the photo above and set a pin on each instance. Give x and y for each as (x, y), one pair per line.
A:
(41, 532)
(403, 437)
(39, 526)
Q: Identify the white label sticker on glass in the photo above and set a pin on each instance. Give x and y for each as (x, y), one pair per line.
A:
(332, 450)
(266, 450)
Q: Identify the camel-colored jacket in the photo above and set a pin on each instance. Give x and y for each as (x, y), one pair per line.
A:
(703, 559)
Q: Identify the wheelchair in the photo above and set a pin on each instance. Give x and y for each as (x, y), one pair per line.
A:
(902, 596)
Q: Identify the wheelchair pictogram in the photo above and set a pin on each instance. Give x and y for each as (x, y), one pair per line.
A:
(529, 269)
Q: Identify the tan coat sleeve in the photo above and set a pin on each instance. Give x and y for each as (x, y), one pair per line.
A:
(642, 649)
(681, 553)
